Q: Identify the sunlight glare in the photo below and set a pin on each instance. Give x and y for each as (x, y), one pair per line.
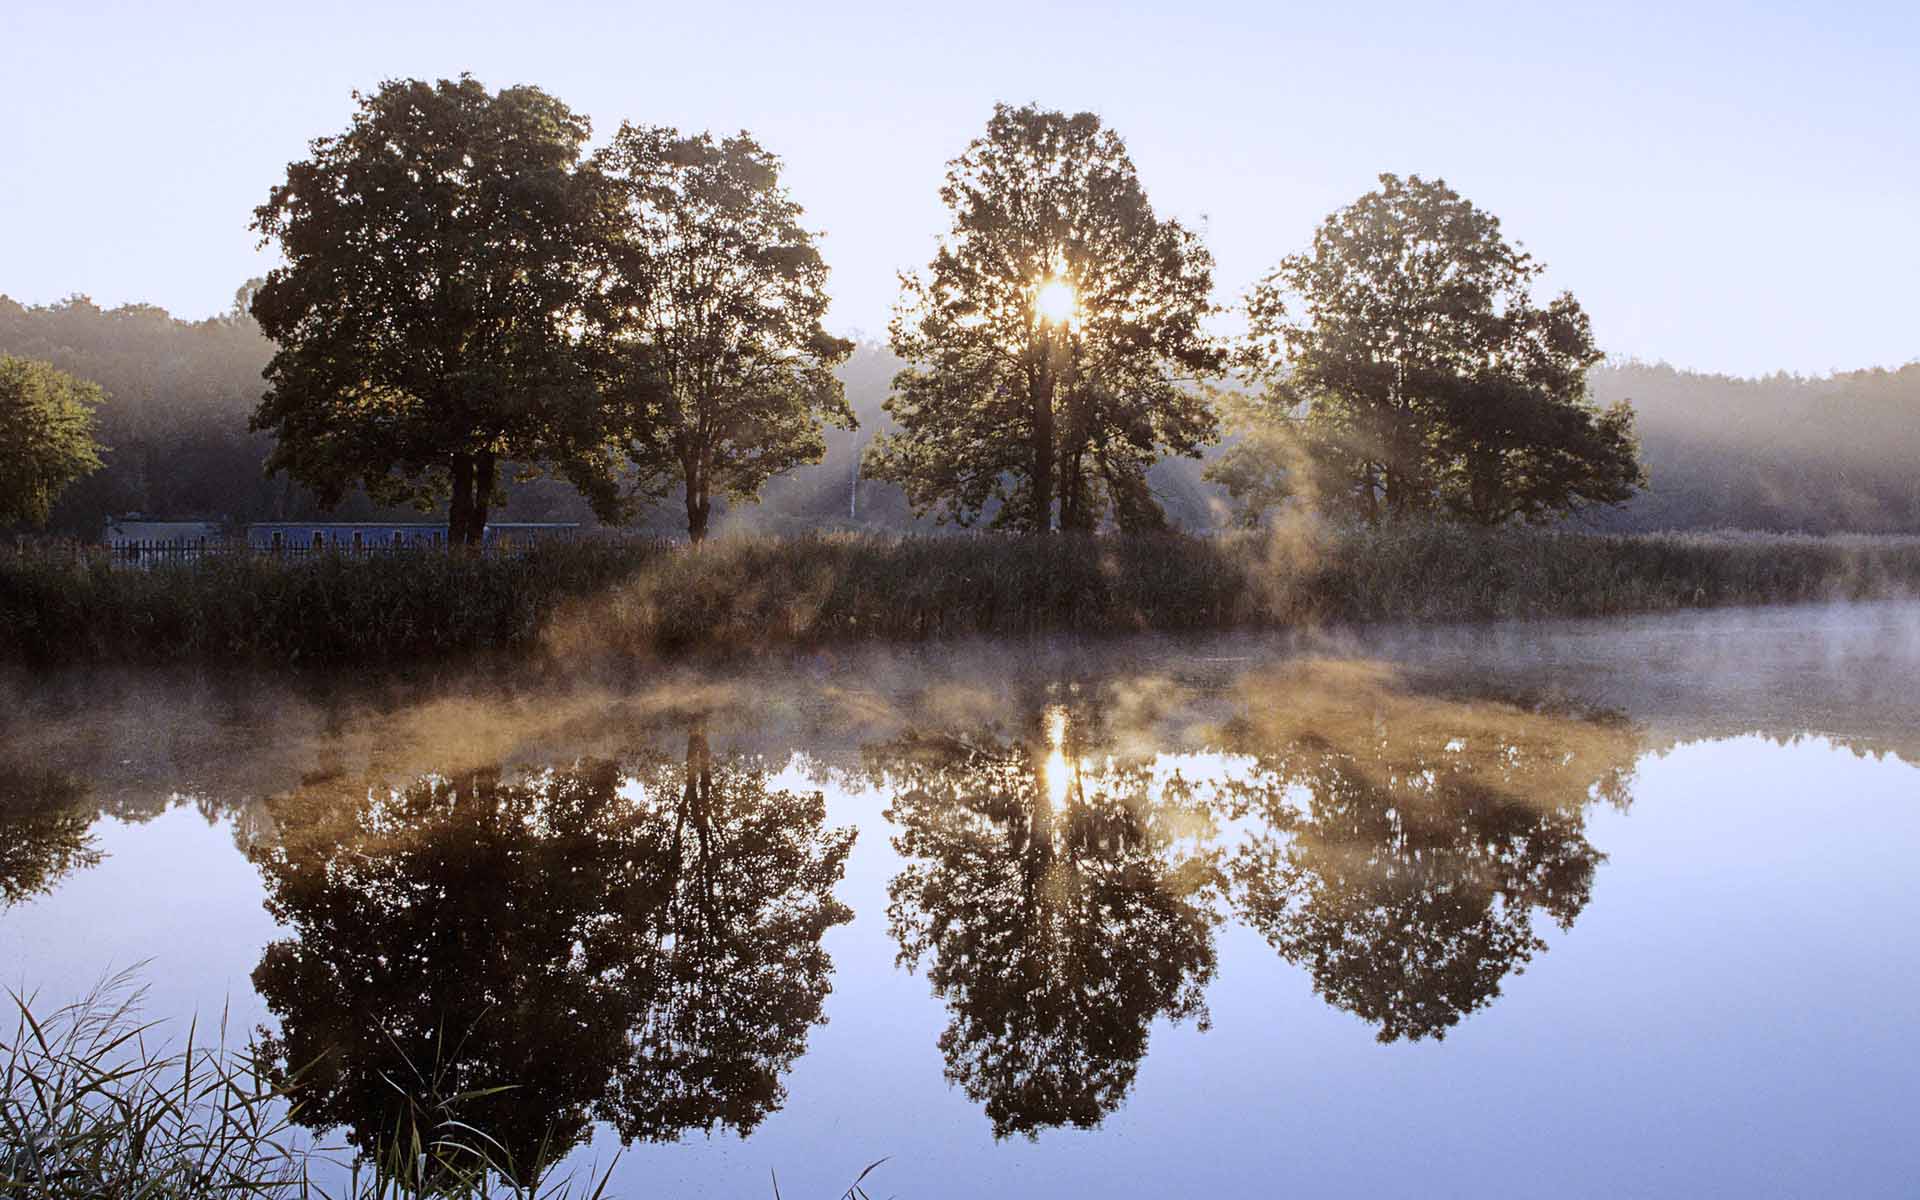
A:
(1055, 769)
(1056, 302)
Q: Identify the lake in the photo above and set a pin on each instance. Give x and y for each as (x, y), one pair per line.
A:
(1571, 908)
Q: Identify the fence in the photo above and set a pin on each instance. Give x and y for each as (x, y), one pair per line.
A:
(177, 552)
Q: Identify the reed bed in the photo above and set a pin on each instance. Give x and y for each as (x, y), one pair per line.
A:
(746, 593)
(93, 1105)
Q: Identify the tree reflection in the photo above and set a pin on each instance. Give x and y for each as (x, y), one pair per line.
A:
(1400, 845)
(45, 832)
(1061, 903)
(636, 942)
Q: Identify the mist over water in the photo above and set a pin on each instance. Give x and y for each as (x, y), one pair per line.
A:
(1558, 906)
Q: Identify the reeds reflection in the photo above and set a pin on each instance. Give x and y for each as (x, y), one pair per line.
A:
(1398, 846)
(1060, 900)
(631, 940)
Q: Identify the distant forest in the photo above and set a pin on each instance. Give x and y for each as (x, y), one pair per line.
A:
(1784, 453)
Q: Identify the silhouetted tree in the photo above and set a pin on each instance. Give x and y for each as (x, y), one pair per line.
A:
(1052, 339)
(45, 834)
(46, 436)
(740, 973)
(716, 299)
(1422, 373)
(633, 943)
(1059, 911)
(428, 314)
(1431, 830)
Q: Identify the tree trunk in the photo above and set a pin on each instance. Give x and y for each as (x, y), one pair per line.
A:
(1076, 501)
(698, 503)
(460, 509)
(473, 482)
(485, 476)
(1043, 451)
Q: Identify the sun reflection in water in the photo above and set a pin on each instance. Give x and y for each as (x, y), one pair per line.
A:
(1055, 770)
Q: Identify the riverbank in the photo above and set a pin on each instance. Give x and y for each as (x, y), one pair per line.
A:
(652, 598)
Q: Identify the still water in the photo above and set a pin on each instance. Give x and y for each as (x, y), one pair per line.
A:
(1609, 908)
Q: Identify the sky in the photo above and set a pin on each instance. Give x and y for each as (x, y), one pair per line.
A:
(1726, 187)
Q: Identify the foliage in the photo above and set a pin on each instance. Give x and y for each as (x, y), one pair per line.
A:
(1062, 908)
(1008, 405)
(46, 437)
(1830, 454)
(741, 594)
(93, 1104)
(1427, 377)
(1400, 844)
(636, 942)
(437, 269)
(715, 303)
(45, 832)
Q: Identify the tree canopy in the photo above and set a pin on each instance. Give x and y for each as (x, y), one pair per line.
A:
(635, 941)
(438, 272)
(1061, 907)
(1052, 339)
(719, 361)
(1398, 846)
(1407, 354)
(46, 831)
(46, 436)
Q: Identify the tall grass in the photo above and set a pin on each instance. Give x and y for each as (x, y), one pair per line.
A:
(744, 592)
(91, 1107)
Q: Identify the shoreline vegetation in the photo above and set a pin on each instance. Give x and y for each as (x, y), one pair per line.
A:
(96, 1100)
(640, 599)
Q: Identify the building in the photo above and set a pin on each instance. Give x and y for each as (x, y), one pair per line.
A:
(134, 530)
(360, 537)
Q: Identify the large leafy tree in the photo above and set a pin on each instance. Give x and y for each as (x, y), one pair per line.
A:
(1061, 907)
(716, 301)
(427, 316)
(46, 436)
(1053, 338)
(1407, 356)
(1400, 847)
(633, 941)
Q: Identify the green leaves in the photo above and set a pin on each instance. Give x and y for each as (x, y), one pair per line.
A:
(1007, 408)
(710, 318)
(1420, 375)
(46, 436)
(438, 270)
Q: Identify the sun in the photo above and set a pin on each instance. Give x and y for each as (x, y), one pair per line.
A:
(1056, 302)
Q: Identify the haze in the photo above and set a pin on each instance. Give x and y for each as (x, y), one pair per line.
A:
(1725, 187)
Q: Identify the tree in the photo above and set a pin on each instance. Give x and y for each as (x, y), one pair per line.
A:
(1063, 906)
(1052, 339)
(635, 941)
(1398, 846)
(46, 831)
(716, 299)
(437, 274)
(1420, 375)
(46, 436)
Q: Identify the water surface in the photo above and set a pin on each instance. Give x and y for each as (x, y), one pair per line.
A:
(1589, 908)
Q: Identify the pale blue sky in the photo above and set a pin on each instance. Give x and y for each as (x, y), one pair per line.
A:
(1728, 187)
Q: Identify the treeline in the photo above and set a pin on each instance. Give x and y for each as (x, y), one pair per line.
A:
(1788, 453)
(1785, 452)
(472, 301)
